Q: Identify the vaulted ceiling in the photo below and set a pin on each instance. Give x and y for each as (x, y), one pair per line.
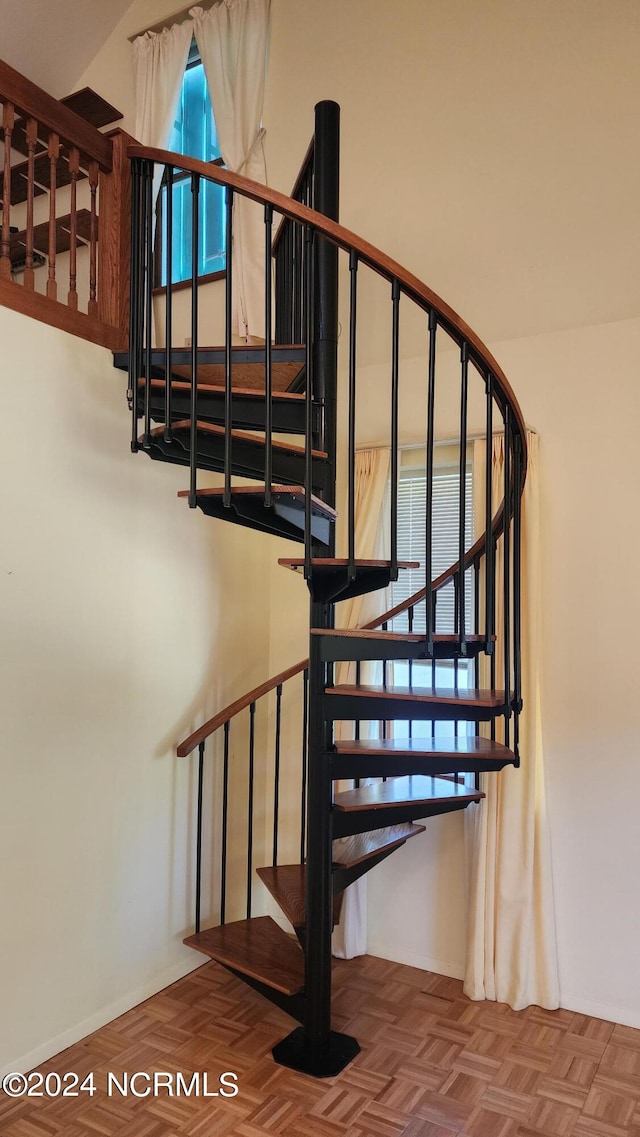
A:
(52, 42)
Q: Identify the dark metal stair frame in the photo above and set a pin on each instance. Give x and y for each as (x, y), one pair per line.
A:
(361, 821)
(202, 414)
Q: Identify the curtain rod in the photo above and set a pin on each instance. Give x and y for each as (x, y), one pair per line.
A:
(179, 17)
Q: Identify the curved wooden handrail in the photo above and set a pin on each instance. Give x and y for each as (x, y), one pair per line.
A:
(473, 554)
(378, 261)
(213, 724)
(425, 298)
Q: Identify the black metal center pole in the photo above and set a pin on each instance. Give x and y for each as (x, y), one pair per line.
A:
(314, 1048)
(326, 185)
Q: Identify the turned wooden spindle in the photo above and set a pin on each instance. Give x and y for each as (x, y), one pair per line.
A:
(8, 118)
(74, 170)
(54, 153)
(93, 240)
(32, 139)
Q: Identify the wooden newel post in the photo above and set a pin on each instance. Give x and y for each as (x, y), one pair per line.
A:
(114, 240)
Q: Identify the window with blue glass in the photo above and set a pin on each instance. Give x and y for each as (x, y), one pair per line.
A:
(194, 134)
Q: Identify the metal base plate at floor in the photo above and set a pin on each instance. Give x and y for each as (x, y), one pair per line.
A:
(320, 1060)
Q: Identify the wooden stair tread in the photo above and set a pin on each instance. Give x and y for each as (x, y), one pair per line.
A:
(249, 348)
(257, 948)
(249, 375)
(19, 185)
(92, 107)
(391, 637)
(296, 492)
(63, 235)
(219, 389)
(470, 746)
(238, 435)
(247, 366)
(299, 562)
(286, 883)
(415, 789)
(41, 176)
(248, 370)
(350, 851)
(464, 697)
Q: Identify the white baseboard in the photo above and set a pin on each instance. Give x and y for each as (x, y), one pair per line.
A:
(568, 1002)
(397, 954)
(106, 1015)
(606, 1011)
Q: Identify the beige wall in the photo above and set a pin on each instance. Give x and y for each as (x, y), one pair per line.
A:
(485, 146)
(127, 618)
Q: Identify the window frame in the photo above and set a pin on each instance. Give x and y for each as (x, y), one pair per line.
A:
(446, 462)
(159, 289)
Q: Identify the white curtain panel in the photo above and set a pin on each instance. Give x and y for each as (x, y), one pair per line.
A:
(371, 541)
(511, 940)
(160, 59)
(232, 40)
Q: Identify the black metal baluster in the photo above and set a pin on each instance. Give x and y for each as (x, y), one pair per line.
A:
(308, 433)
(228, 340)
(193, 443)
(276, 775)
(428, 556)
(464, 392)
(395, 353)
(199, 835)
(148, 269)
(492, 680)
(290, 283)
(476, 654)
(252, 735)
(278, 290)
(356, 732)
(351, 460)
(268, 423)
(517, 614)
(434, 609)
(506, 552)
(225, 818)
(410, 616)
(303, 796)
(297, 282)
(489, 547)
(135, 302)
(385, 628)
(168, 333)
(456, 630)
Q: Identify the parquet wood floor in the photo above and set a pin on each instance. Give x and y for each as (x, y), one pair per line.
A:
(433, 1064)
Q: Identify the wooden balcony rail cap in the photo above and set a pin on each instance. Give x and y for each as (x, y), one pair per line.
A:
(32, 102)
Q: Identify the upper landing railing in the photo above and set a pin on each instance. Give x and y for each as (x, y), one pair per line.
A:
(66, 208)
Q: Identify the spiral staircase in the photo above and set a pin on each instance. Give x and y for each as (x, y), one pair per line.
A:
(264, 418)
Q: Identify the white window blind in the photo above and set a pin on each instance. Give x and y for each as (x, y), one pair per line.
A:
(411, 543)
